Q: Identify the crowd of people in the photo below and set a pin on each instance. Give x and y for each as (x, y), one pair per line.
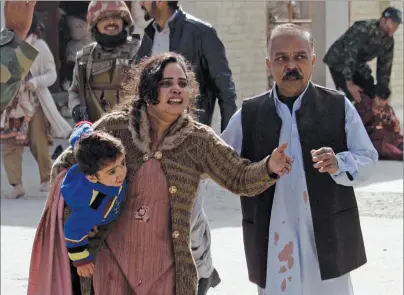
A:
(124, 214)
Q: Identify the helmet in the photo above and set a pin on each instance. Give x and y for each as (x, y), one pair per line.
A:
(100, 9)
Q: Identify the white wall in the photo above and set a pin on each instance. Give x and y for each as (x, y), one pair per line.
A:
(2, 14)
(336, 23)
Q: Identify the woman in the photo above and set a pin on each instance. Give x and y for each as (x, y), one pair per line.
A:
(38, 125)
(32, 117)
(147, 251)
(383, 127)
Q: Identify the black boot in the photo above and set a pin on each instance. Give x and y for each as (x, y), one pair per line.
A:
(205, 283)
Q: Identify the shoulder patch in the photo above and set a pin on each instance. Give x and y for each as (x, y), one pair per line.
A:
(6, 36)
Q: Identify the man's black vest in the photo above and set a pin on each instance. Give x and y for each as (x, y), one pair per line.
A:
(321, 123)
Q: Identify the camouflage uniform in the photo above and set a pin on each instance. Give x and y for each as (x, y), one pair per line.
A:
(16, 58)
(349, 55)
(103, 67)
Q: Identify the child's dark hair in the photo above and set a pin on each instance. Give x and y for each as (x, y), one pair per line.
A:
(96, 150)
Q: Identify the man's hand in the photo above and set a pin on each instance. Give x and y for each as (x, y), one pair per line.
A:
(86, 270)
(280, 163)
(18, 16)
(354, 90)
(325, 160)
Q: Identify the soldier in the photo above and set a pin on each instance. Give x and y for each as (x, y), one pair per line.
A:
(97, 73)
(347, 58)
(14, 50)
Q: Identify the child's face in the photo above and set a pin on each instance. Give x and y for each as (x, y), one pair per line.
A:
(113, 174)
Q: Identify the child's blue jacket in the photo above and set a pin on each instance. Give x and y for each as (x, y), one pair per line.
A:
(91, 204)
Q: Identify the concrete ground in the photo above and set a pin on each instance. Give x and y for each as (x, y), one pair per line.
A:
(380, 202)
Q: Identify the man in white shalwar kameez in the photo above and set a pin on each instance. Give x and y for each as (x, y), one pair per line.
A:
(292, 259)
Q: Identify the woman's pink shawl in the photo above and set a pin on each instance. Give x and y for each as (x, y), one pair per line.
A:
(49, 272)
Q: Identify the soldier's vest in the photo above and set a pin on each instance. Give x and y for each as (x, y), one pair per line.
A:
(104, 73)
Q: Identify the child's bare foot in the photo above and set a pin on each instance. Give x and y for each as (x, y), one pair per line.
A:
(86, 270)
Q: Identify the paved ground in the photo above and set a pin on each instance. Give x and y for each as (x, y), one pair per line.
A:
(380, 201)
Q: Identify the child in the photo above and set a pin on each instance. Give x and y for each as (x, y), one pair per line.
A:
(94, 189)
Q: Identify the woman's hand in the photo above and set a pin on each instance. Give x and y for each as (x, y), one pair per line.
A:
(93, 232)
(279, 163)
(29, 86)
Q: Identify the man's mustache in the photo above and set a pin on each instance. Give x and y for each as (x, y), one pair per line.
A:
(292, 74)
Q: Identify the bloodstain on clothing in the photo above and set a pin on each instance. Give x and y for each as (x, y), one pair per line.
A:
(291, 262)
(305, 197)
(283, 285)
(286, 255)
(287, 252)
(276, 239)
(283, 269)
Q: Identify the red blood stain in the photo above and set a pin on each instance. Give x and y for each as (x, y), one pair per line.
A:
(286, 253)
(283, 269)
(283, 286)
(291, 262)
(305, 197)
(276, 239)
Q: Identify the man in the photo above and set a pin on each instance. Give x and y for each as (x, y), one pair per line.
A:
(16, 55)
(303, 236)
(365, 40)
(174, 30)
(99, 67)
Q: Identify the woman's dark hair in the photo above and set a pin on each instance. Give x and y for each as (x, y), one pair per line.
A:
(37, 26)
(141, 82)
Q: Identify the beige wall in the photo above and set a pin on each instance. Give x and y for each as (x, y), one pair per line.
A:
(397, 76)
(319, 34)
(241, 27)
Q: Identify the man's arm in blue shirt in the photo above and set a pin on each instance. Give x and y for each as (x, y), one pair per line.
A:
(357, 164)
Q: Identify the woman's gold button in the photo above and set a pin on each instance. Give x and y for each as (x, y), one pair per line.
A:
(158, 155)
(172, 190)
(176, 234)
